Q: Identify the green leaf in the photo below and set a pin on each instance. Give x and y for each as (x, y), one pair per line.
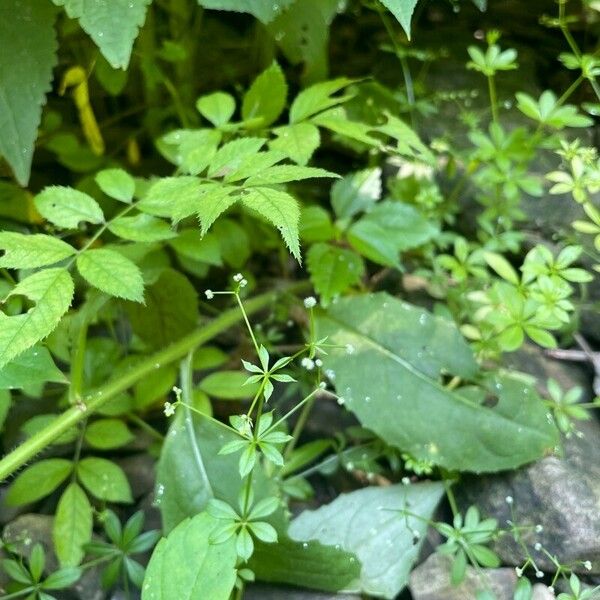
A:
(232, 154)
(333, 270)
(387, 230)
(369, 519)
(32, 250)
(34, 366)
(502, 267)
(317, 98)
(38, 480)
(213, 204)
(228, 385)
(315, 225)
(337, 121)
(309, 564)
(5, 404)
(66, 207)
(142, 228)
(72, 526)
(298, 141)
(112, 24)
(392, 383)
(403, 11)
(265, 100)
(26, 62)
(167, 194)
(117, 184)
(280, 209)
(170, 311)
(218, 108)
(211, 574)
(52, 292)
(356, 192)
(286, 173)
(112, 273)
(104, 479)
(105, 434)
(263, 10)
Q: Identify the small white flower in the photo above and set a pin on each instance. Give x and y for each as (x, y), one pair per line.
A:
(238, 277)
(310, 302)
(537, 547)
(539, 574)
(318, 362)
(308, 363)
(405, 481)
(518, 571)
(169, 409)
(209, 294)
(588, 565)
(350, 349)
(341, 401)
(509, 499)
(243, 283)
(322, 385)
(539, 529)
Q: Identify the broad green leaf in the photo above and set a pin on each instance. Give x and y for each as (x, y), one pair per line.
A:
(233, 241)
(192, 245)
(34, 366)
(356, 192)
(387, 230)
(142, 228)
(298, 141)
(403, 11)
(112, 273)
(286, 173)
(392, 382)
(104, 479)
(333, 270)
(26, 61)
(38, 480)
(72, 526)
(167, 194)
(337, 121)
(190, 149)
(316, 225)
(265, 100)
(371, 524)
(112, 24)
(29, 251)
(66, 207)
(117, 184)
(156, 386)
(255, 164)
(218, 108)
(263, 10)
(52, 292)
(232, 154)
(187, 566)
(408, 143)
(105, 434)
(228, 385)
(280, 209)
(317, 98)
(305, 564)
(191, 471)
(209, 206)
(170, 310)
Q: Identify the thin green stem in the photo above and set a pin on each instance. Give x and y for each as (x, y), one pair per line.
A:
(493, 97)
(145, 427)
(248, 326)
(450, 496)
(308, 403)
(20, 593)
(569, 91)
(77, 366)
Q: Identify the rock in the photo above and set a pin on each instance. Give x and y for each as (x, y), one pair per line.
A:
(28, 530)
(431, 581)
(141, 473)
(261, 591)
(542, 592)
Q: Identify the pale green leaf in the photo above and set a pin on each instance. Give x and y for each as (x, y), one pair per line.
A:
(212, 202)
(286, 173)
(32, 367)
(403, 11)
(228, 385)
(211, 574)
(38, 480)
(72, 526)
(392, 382)
(29, 251)
(317, 98)
(111, 273)
(218, 108)
(104, 479)
(117, 184)
(27, 58)
(67, 207)
(169, 195)
(280, 209)
(337, 121)
(190, 149)
(265, 100)
(298, 141)
(232, 154)
(106, 434)
(255, 164)
(52, 291)
(142, 228)
(263, 10)
(366, 521)
(192, 245)
(112, 24)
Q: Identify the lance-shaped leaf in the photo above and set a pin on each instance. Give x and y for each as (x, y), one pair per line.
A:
(264, 10)
(403, 11)
(392, 381)
(372, 524)
(30, 251)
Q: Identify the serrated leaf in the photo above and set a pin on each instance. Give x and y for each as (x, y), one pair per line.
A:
(52, 292)
(218, 108)
(232, 154)
(333, 270)
(190, 149)
(286, 173)
(317, 98)
(104, 479)
(265, 100)
(169, 194)
(67, 207)
(403, 11)
(263, 10)
(170, 311)
(34, 366)
(105, 434)
(72, 526)
(29, 251)
(356, 192)
(213, 204)
(26, 62)
(392, 383)
(117, 184)
(365, 521)
(112, 24)
(38, 480)
(111, 273)
(299, 141)
(142, 228)
(211, 574)
(280, 209)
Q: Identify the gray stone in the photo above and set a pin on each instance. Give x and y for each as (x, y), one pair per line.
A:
(542, 592)
(141, 473)
(28, 530)
(262, 591)
(431, 581)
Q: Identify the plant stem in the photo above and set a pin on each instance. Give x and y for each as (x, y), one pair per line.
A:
(308, 403)
(94, 400)
(147, 428)
(493, 97)
(77, 366)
